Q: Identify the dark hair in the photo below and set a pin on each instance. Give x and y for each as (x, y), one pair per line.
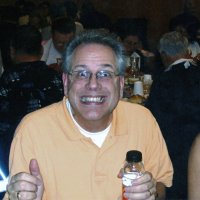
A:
(95, 37)
(64, 25)
(27, 39)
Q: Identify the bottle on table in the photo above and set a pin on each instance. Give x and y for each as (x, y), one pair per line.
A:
(132, 170)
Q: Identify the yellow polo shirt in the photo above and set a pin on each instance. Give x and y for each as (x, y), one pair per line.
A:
(73, 167)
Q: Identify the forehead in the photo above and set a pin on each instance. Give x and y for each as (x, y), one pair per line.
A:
(97, 53)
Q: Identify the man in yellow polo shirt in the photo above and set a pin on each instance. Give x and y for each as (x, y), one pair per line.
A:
(74, 149)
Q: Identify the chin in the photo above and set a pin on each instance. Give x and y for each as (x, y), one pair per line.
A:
(92, 116)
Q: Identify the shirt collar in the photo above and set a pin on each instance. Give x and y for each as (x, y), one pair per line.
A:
(186, 64)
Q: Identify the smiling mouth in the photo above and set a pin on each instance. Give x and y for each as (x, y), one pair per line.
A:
(92, 99)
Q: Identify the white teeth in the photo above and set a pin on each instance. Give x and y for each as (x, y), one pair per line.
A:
(92, 99)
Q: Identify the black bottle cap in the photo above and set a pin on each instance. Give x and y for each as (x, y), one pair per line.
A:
(133, 156)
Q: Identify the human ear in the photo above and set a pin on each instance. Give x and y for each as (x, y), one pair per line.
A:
(65, 83)
(121, 86)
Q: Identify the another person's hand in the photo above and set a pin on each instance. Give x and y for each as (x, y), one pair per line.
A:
(27, 186)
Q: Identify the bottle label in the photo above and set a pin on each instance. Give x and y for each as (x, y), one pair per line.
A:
(129, 177)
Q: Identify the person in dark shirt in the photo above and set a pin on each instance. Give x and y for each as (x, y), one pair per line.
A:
(174, 101)
(25, 87)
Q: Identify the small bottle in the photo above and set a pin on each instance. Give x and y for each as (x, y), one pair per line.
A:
(133, 169)
(134, 69)
(133, 66)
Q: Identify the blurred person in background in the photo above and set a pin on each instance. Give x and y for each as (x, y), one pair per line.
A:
(63, 31)
(25, 87)
(135, 45)
(174, 101)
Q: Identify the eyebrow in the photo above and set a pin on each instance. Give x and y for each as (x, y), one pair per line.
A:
(107, 65)
(101, 65)
(81, 66)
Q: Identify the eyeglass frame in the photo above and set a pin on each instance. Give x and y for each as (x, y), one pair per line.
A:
(89, 75)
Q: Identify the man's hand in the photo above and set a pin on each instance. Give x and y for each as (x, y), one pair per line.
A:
(142, 188)
(27, 186)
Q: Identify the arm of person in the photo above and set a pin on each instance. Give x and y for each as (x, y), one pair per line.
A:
(194, 170)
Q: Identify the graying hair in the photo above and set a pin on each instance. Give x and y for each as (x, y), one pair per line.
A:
(95, 37)
(173, 43)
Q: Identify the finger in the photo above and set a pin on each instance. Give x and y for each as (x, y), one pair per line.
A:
(140, 188)
(148, 194)
(142, 184)
(135, 196)
(22, 176)
(19, 186)
(146, 177)
(26, 195)
(13, 195)
(35, 171)
(120, 174)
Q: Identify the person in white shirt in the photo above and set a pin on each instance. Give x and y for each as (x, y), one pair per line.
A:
(174, 102)
(63, 30)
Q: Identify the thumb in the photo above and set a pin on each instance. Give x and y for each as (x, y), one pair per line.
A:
(120, 174)
(35, 171)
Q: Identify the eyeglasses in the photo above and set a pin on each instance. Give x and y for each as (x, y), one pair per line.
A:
(84, 75)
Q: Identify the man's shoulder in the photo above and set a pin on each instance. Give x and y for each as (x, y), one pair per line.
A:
(44, 114)
(128, 108)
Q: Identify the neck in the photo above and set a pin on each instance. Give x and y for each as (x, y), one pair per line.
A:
(171, 59)
(90, 125)
(94, 126)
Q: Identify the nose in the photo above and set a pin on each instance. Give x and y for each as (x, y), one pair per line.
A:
(93, 82)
